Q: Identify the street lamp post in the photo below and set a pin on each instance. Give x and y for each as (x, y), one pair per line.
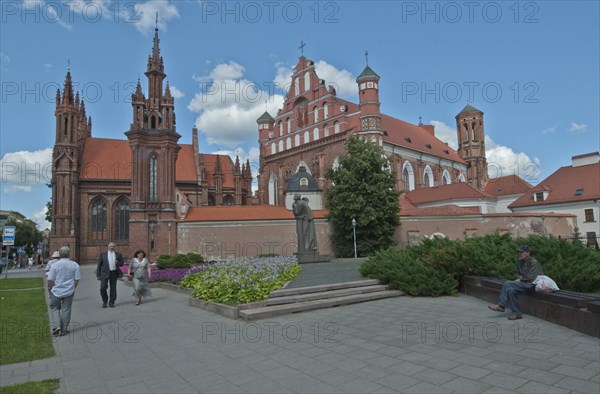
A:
(354, 231)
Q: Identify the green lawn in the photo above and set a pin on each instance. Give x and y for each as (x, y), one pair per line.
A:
(24, 324)
(43, 387)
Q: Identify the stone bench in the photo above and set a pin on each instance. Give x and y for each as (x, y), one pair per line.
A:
(580, 312)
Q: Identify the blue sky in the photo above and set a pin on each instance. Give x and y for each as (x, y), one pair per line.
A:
(531, 66)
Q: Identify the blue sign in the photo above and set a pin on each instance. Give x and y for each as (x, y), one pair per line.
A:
(8, 235)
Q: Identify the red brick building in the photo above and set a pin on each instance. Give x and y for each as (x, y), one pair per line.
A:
(133, 191)
(311, 129)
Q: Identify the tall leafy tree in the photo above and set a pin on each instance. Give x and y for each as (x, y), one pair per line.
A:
(26, 235)
(363, 188)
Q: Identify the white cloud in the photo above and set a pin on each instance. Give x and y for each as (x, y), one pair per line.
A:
(445, 133)
(40, 218)
(503, 161)
(253, 155)
(549, 130)
(342, 80)
(51, 12)
(578, 127)
(21, 171)
(176, 93)
(228, 105)
(283, 77)
(145, 15)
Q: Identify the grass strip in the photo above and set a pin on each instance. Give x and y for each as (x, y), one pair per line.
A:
(44, 387)
(24, 323)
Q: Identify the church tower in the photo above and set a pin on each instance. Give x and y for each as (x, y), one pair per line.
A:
(153, 140)
(471, 145)
(370, 118)
(72, 127)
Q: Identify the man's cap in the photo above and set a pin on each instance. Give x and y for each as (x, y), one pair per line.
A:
(55, 255)
(523, 248)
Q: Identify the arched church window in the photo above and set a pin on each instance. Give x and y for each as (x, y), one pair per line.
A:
(273, 190)
(336, 127)
(408, 177)
(273, 148)
(316, 134)
(122, 220)
(99, 222)
(228, 200)
(316, 113)
(211, 199)
(153, 178)
(288, 143)
(297, 140)
(306, 137)
(428, 177)
(446, 179)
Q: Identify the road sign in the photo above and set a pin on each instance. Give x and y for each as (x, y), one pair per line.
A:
(8, 235)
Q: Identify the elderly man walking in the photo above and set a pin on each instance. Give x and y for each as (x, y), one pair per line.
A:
(63, 278)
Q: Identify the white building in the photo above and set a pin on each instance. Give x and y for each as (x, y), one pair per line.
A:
(573, 190)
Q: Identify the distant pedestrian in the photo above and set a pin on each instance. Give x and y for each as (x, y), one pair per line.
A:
(63, 278)
(55, 257)
(107, 272)
(40, 262)
(30, 262)
(528, 269)
(140, 272)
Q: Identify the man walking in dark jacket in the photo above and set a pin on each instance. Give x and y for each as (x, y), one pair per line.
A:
(107, 273)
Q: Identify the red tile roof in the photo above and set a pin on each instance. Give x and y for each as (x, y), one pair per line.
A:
(562, 186)
(507, 186)
(185, 168)
(453, 191)
(243, 213)
(420, 139)
(108, 159)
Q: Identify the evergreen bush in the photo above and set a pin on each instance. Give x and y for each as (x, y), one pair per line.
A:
(434, 266)
(178, 261)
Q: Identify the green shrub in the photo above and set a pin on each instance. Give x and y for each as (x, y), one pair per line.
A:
(242, 280)
(435, 266)
(178, 261)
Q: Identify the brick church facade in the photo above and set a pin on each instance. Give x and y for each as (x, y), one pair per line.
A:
(309, 132)
(133, 191)
(137, 190)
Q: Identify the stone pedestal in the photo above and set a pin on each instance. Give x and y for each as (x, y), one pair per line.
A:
(312, 257)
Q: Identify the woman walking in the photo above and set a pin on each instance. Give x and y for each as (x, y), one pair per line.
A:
(140, 272)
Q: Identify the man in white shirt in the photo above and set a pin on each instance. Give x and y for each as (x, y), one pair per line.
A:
(63, 278)
(107, 272)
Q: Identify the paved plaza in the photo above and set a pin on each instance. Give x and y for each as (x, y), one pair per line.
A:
(404, 344)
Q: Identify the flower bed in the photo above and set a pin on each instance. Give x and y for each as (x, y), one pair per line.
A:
(242, 280)
(170, 275)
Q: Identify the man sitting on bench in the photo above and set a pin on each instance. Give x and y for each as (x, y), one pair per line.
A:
(528, 269)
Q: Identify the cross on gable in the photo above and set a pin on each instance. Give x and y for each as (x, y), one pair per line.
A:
(301, 47)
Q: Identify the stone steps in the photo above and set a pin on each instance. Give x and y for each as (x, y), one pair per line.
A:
(286, 301)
